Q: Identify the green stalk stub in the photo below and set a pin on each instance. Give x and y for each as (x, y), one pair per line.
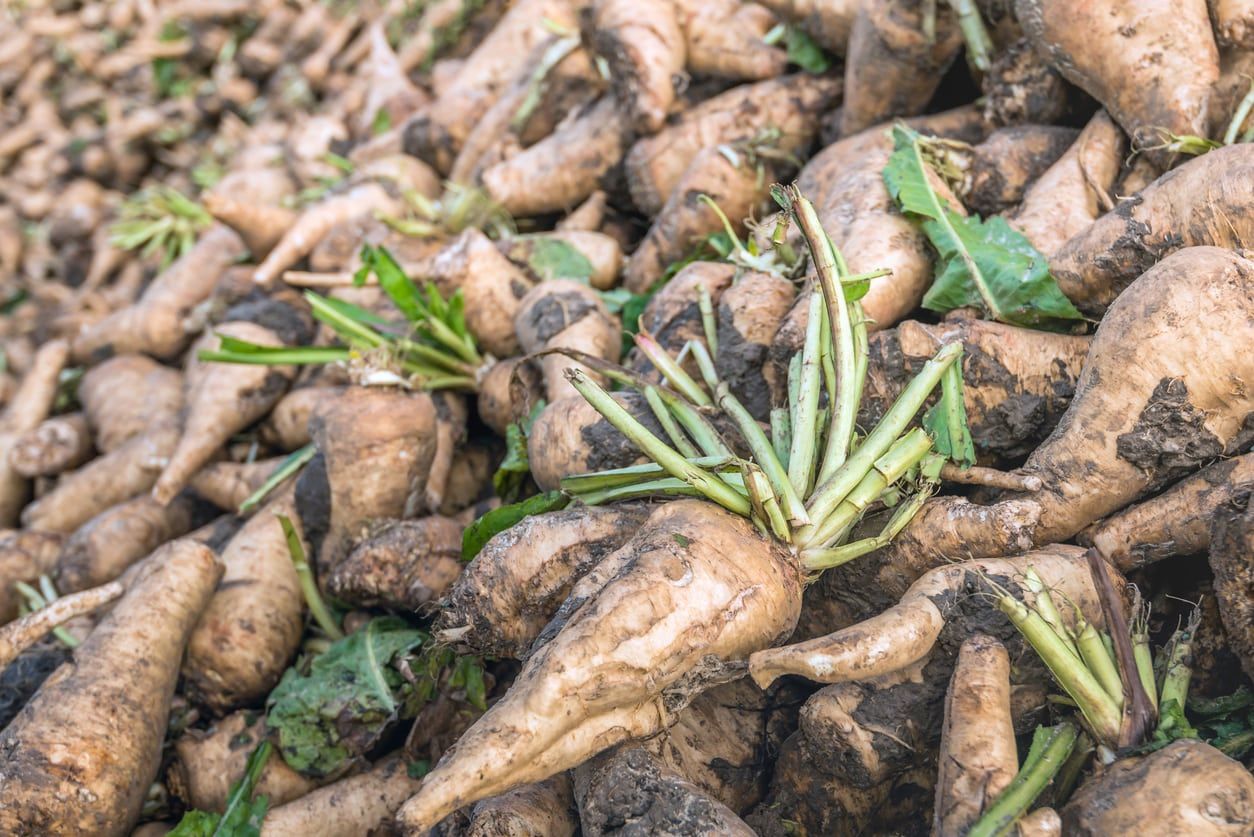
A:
(1050, 748)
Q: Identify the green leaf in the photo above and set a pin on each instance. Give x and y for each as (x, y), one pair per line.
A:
(981, 263)
(804, 52)
(511, 475)
(392, 279)
(243, 814)
(946, 421)
(552, 258)
(382, 122)
(500, 519)
(351, 695)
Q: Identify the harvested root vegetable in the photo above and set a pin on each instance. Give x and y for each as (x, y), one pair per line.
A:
(104, 547)
(1176, 522)
(159, 323)
(260, 226)
(71, 768)
(1231, 534)
(222, 399)
(1020, 87)
(563, 169)
(508, 389)
(29, 406)
(378, 445)
(749, 315)
(996, 172)
(603, 254)
(570, 437)
(228, 484)
(157, 396)
(977, 757)
(892, 67)
(24, 556)
(829, 22)
(1066, 199)
(789, 105)
(727, 39)
(673, 315)
(1234, 22)
(17, 636)
(207, 762)
(1206, 201)
(351, 807)
(405, 565)
(563, 314)
(630, 790)
(1155, 70)
(125, 472)
(251, 629)
(644, 47)
(287, 426)
(56, 445)
(545, 808)
(492, 287)
(1190, 787)
(705, 593)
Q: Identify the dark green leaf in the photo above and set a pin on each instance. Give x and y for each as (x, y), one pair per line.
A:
(382, 122)
(500, 519)
(348, 700)
(243, 814)
(418, 769)
(804, 52)
(986, 264)
(552, 258)
(511, 476)
(392, 280)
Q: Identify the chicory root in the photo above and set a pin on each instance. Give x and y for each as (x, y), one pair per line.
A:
(156, 390)
(993, 175)
(260, 226)
(29, 406)
(749, 315)
(1154, 70)
(828, 22)
(405, 565)
(228, 484)
(17, 636)
(517, 582)
(350, 807)
(287, 425)
(57, 444)
(107, 545)
(544, 808)
(159, 323)
(1231, 536)
(71, 768)
(508, 389)
(727, 39)
(570, 437)
(562, 314)
(25, 555)
(977, 756)
(644, 47)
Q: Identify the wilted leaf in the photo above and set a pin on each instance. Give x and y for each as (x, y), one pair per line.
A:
(552, 258)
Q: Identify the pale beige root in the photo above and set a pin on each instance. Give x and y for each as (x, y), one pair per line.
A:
(907, 632)
(1151, 63)
(504, 597)
(725, 39)
(749, 315)
(260, 226)
(678, 605)
(361, 804)
(378, 445)
(56, 445)
(507, 392)
(1234, 22)
(566, 314)
(104, 547)
(1206, 201)
(790, 105)
(252, 627)
(1231, 542)
(1043, 822)
(24, 556)
(401, 171)
(71, 768)
(17, 636)
(155, 394)
(1018, 382)
(1075, 191)
(1021, 87)
(644, 47)
(603, 252)
(159, 324)
(564, 168)
(228, 484)
(545, 808)
(994, 174)
(29, 406)
(316, 221)
(206, 762)
(437, 132)
(450, 435)
(1187, 787)
(732, 180)
(287, 426)
(829, 22)
(1176, 522)
(673, 315)
(588, 216)
(388, 88)
(631, 791)
(102, 483)
(977, 752)
(406, 565)
(221, 400)
(569, 437)
(490, 284)
(470, 476)
(892, 68)
(1236, 68)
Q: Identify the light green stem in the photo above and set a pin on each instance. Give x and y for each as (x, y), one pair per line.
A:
(1100, 662)
(708, 323)
(671, 371)
(308, 586)
(817, 560)
(801, 456)
(979, 44)
(1032, 778)
(664, 418)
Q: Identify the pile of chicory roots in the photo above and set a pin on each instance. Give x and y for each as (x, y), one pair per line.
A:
(626, 417)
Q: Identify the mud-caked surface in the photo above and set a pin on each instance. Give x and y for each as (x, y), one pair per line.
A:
(1169, 439)
(1231, 551)
(20, 679)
